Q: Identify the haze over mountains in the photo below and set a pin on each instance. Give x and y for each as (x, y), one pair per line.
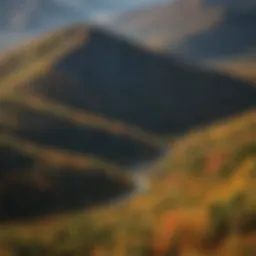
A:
(195, 29)
(27, 15)
(22, 20)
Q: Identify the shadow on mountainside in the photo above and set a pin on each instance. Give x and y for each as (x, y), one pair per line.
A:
(122, 81)
(52, 191)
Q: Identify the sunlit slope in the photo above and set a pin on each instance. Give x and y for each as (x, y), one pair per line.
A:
(201, 200)
(243, 68)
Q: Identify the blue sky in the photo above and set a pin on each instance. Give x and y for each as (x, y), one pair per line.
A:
(110, 6)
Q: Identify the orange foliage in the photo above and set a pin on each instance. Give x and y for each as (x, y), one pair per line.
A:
(99, 251)
(166, 230)
(214, 162)
(189, 225)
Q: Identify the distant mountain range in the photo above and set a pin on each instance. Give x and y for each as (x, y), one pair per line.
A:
(195, 29)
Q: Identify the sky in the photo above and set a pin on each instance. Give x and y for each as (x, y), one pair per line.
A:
(93, 8)
(110, 4)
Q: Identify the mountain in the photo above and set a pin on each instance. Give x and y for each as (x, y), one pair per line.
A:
(196, 29)
(152, 81)
(167, 24)
(233, 37)
(82, 109)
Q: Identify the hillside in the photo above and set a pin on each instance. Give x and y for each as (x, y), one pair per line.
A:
(81, 111)
(201, 200)
(243, 67)
(151, 81)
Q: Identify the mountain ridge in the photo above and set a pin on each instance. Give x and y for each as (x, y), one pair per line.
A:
(83, 101)
(83, 110)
